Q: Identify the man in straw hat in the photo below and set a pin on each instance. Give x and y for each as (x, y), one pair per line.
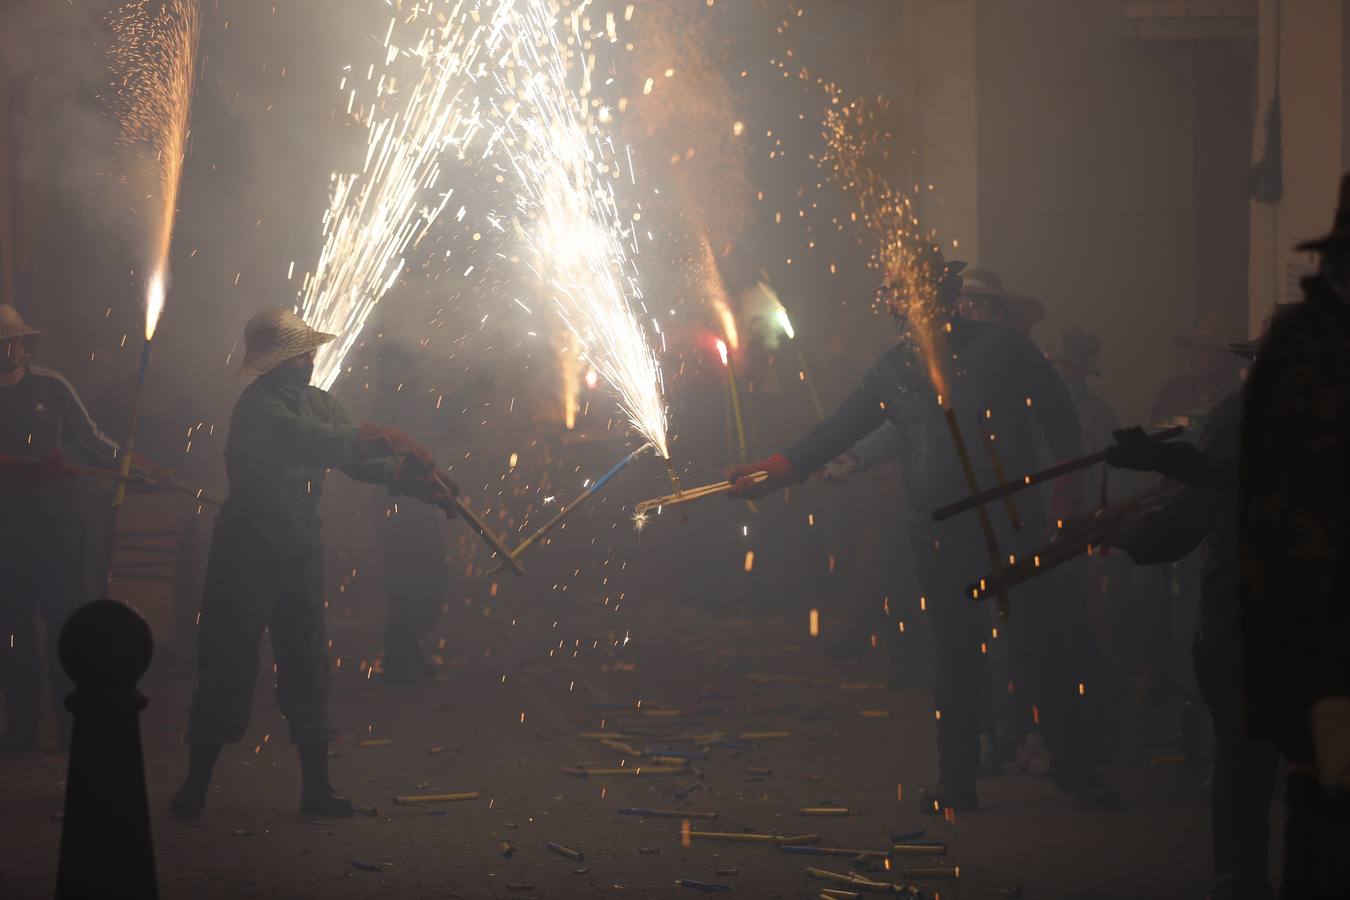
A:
(42, 543)
(1294, 545)
(999, 376)
(265, 568)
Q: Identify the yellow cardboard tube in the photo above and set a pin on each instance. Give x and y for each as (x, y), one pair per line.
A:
(435, 798)
(756, 838)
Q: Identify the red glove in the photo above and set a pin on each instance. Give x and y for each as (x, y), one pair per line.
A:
(745, 487)
(378, 441)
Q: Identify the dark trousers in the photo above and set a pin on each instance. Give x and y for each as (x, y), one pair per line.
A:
(245, 594)
(415, 577)
(1043, 660)
(1316, 842)
(1243, 786)
(43, 577)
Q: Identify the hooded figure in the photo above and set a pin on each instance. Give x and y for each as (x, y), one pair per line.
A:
(265, 568)
(997, 374)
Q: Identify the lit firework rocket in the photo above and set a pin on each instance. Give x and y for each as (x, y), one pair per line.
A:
(374, 216)
(564, 165)
(904, 251)
(912, 268)
(154, 58)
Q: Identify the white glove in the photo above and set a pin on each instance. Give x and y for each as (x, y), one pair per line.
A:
(842, 468)
(1331, 742)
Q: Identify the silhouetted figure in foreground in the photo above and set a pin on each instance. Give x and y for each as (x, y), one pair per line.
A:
(106, 847)
(1204, 515)
(1294, 520)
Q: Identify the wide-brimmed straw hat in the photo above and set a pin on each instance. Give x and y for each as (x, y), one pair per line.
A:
(274, 336)
(1339, 236)
(12, 325)
(1076, 349)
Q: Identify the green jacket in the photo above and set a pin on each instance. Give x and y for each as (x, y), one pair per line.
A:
(276, 456)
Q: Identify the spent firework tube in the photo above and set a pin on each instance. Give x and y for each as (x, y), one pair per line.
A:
(855, 881)
(755, 838)
(800, 850)
(706, 887)
(665, 813)
(934, 872)
(928, 848)
(414, 799)
(575, 855)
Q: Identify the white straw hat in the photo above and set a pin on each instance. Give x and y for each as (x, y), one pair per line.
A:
(274, 336)
(12, 324)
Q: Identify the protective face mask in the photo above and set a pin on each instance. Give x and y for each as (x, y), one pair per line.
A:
(291, 380)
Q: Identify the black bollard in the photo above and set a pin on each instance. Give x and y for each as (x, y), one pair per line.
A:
(106, 847)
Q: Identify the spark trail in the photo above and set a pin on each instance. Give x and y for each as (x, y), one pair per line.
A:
(376, 215)
(564, 165)
(153, 58)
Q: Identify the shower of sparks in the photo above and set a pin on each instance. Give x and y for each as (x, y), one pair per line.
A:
(564, 164)
(715, 290)
(374, 216)
(905, 254)
(153, 59)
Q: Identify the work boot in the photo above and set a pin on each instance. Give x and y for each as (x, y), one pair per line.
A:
(958, 798)
(1088, 788)
(317, 795)
(189, 799)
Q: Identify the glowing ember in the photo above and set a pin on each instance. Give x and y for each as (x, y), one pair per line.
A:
(153, 58)
(722, 350)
